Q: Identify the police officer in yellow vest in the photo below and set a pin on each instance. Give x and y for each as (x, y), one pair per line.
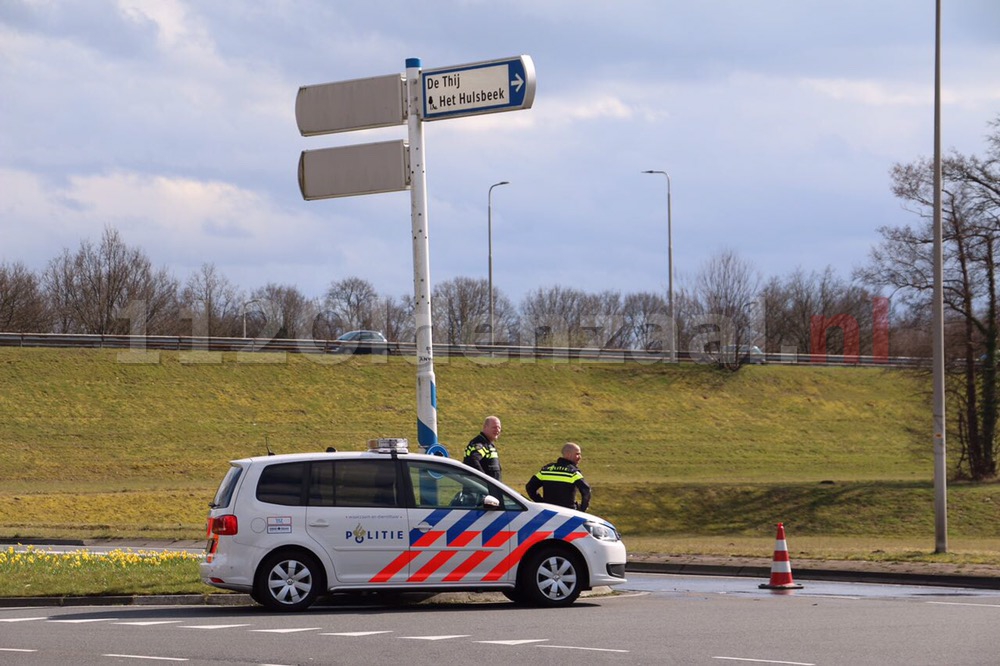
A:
(481, 453)
(560, 480)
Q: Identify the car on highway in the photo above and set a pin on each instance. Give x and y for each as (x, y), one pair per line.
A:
(361, 342)
(290, 528)
(745, 355)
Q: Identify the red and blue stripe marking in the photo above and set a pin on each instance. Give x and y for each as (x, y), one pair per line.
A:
(462, 535)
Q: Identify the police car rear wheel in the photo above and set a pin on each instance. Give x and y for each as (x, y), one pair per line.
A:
(552, 578)
(288, 581)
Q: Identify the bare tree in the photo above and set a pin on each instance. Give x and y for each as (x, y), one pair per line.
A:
(110, 289)
(23, 307)
(970, 232)
(646, 319)
(460, 309)
(351, 304)
(278, 311)
(397, 319)
(214, 304)
(602, 321)
(725, 310)
(561, 317)
(553, 317)
(806, 304)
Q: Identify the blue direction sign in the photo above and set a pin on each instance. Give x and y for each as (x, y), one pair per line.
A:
(479, 87)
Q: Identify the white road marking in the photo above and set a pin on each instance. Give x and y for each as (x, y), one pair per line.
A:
(95, 619)
(286, 631)
(356, 633)
(575, 647)
(213, 626)
(435, 638)
(22, 619)
(148, 623)
(956, 603)
(835, 596)
(142, 656)
(767, 661)
(16, 650)
(516, 642)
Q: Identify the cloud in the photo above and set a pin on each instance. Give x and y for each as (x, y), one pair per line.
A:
(175, 31)
(179, 222)
(174, 121)
(869, 93)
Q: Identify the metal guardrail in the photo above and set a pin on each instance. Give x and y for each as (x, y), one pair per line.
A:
(150, 343)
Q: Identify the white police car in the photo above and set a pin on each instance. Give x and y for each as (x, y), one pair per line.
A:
(289, 528)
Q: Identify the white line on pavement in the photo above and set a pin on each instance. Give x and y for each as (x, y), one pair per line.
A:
(766, 661)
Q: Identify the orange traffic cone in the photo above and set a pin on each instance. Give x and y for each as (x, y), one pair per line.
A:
(781, 566)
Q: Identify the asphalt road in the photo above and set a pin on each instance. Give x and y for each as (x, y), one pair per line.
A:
(653, 619)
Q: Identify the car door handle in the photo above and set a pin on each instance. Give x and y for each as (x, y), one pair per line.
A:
(318, 523)
(423, 527)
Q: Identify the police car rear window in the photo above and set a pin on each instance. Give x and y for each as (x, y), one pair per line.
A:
(226, 489)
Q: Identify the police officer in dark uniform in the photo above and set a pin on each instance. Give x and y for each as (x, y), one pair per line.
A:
(560, 480)
(481, 453)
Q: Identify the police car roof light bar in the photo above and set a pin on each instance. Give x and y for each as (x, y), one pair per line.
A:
(389, 445)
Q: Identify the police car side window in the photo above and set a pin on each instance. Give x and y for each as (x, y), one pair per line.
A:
(365, 483)
(282, 484)
(321, 483)
(438, 486)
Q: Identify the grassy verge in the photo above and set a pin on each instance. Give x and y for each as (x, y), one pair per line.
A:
(96, 445)
(33, 573)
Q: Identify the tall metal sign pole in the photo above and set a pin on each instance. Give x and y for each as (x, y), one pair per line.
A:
(426, 387)
(391, 166)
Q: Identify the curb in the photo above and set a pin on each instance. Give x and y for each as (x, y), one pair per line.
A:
(210, 599)
(830, 575)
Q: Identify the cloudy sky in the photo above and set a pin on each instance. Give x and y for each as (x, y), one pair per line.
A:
(778, 121)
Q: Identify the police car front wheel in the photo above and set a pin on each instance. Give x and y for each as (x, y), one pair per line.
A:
(552, 578)
(288, 581)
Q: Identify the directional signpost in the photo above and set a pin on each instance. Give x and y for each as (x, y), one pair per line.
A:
(345, 106)
(482, 87)
(367, 168)
(422, 95)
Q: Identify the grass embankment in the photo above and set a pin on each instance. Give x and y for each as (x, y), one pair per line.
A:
(683, 459)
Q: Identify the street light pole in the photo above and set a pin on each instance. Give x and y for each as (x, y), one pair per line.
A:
(670, 272)
(489, 227)
(245, 304)
(937, 319)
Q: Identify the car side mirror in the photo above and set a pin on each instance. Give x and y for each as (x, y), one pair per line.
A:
(491, 503)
